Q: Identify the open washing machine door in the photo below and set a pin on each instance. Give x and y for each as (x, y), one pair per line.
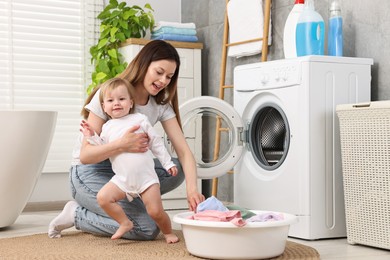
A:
(203, 119)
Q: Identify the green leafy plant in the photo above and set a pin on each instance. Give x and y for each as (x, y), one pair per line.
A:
(118, 23)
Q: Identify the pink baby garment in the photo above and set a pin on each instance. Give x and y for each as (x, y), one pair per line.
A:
(233, 216)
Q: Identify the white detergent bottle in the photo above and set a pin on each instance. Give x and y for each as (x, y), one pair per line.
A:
(310, 34)
(289, 46)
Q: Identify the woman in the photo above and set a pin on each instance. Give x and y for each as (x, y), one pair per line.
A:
(153, 73)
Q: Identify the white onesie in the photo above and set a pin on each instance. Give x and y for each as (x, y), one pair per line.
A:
(134, 172)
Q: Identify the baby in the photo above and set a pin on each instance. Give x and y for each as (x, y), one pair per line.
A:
(134, 172)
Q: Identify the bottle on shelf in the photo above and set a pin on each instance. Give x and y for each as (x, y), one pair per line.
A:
(335, 30)
(310, 34)
(289, 45)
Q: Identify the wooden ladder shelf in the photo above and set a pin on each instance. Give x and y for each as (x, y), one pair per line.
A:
(223, 86)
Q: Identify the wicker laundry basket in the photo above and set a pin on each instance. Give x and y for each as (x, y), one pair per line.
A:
(365, 153)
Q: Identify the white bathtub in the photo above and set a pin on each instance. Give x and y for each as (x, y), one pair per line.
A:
(25, 138)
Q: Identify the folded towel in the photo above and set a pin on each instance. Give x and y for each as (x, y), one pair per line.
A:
(246, 22)
(175, 37)
(160, 24)
(174, 30)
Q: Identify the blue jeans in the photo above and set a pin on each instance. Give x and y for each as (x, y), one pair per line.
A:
(87, 179)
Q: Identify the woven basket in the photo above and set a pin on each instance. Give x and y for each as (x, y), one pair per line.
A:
(365, 153)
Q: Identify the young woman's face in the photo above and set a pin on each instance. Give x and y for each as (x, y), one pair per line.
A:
(117, 102)
(159, 75)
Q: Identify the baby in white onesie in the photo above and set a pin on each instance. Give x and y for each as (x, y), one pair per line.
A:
(135, 175)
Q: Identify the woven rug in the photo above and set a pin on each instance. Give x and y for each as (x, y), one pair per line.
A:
(80, 245)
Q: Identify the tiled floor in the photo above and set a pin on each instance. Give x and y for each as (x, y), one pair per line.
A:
(330, 249)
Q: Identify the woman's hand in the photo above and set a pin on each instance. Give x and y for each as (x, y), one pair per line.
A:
(132, 142)
(194, 199)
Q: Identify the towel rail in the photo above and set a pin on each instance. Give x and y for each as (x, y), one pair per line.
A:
(223, 86)
(242, 42)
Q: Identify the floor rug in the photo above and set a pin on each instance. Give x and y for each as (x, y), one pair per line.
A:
(80, 245)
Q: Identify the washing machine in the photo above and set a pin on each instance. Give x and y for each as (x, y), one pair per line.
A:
(281, 137)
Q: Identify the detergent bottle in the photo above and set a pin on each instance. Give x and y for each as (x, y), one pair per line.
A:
(310, 34)
(335, 30)
(289, 46)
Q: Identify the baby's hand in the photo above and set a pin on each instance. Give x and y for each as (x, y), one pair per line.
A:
(86, 129)
(173, 171)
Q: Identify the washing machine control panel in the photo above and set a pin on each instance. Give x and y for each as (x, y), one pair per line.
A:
(267, 75)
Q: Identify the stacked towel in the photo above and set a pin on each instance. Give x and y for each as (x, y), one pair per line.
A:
(246, 22)
(172, 31)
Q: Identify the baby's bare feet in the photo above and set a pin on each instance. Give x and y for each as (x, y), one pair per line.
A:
(171, 238)
(122, 230)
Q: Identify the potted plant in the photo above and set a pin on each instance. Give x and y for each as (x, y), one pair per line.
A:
(118, 23)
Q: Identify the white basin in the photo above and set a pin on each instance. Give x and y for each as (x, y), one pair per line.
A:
(224, 240)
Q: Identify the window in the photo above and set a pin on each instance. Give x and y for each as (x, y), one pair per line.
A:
(45, 64)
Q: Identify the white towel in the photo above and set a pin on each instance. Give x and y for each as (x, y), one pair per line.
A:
(160, 24)
(246, 22)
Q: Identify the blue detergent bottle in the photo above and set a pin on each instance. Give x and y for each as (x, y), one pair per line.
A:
(335, 30)
(310, 32)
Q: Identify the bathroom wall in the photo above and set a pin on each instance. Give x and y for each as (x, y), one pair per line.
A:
(366, 34)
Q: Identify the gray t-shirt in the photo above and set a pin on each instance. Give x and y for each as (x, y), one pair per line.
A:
(154, 112)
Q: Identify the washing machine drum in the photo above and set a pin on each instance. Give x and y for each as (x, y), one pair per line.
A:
(216, 134)
(269, 137)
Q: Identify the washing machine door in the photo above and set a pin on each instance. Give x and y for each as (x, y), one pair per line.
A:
(213, 130)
